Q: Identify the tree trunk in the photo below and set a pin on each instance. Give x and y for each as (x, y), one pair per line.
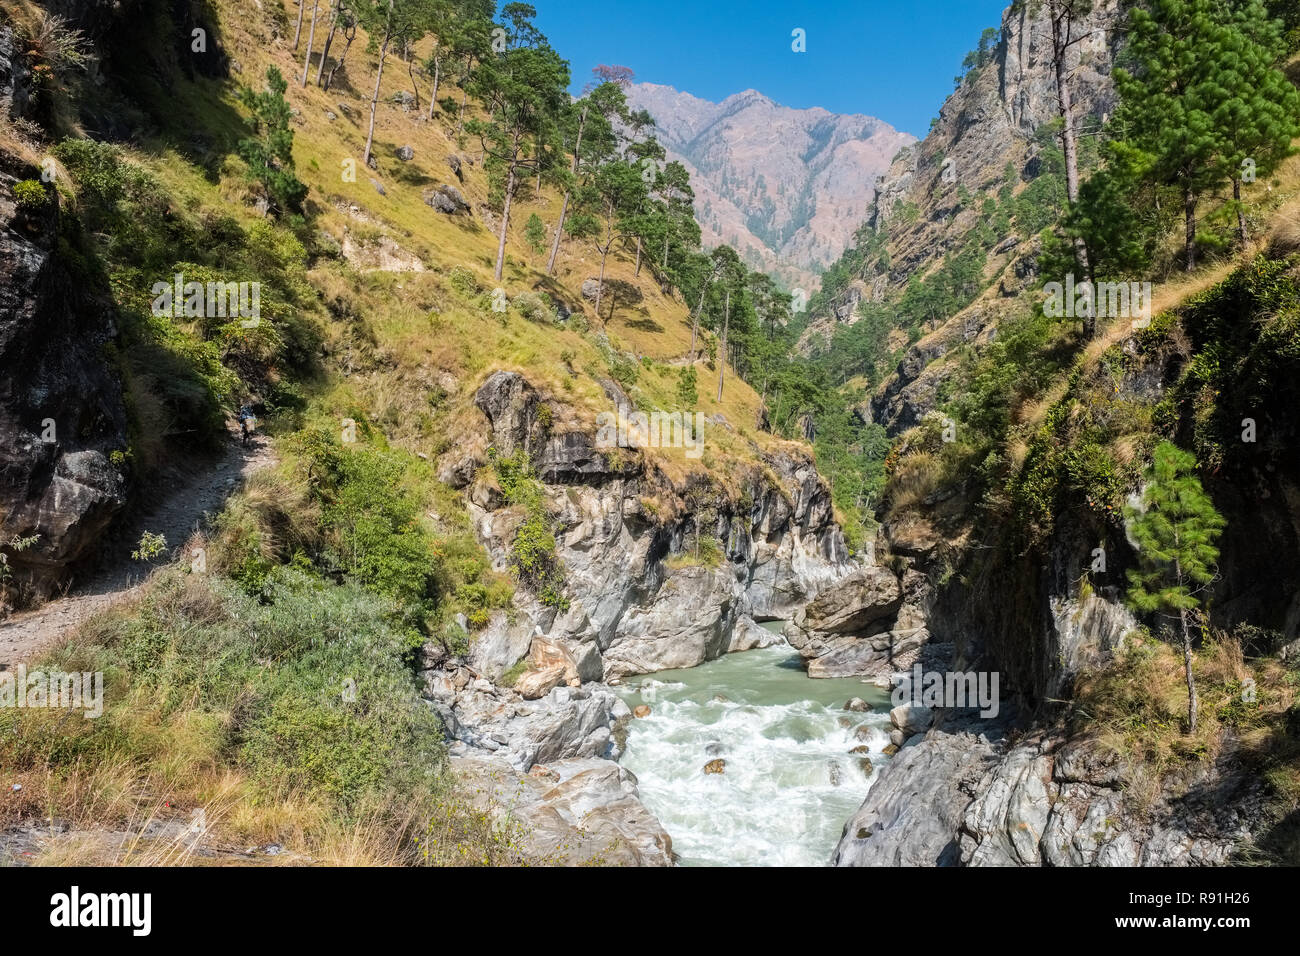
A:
(297, 33)
(1242, 233)
(311, 38)
(374, 102)
(722, 352)
(604, 254)
(505, 217)
(437, 76)
(1193, 704)
(564, 207)
(695, 321)
(1062, 17)
(329, 38)
(410, 71)
(1189, 213)
(638, 255)
(559, 231)
(351, 35)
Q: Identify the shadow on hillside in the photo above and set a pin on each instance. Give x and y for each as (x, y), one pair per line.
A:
(557, 293)
(1281, 842)
(622, 293)
(644, 324)
(411, 176)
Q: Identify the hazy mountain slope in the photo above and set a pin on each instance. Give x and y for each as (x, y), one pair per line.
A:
(786, 187)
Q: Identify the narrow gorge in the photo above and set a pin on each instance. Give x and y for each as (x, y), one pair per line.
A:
(441, 452)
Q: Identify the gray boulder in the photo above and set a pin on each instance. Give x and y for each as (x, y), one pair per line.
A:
(571, 812)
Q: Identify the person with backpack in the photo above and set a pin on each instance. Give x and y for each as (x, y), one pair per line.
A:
(246, 421)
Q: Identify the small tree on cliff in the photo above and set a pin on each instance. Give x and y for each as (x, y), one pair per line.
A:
(1175, 529)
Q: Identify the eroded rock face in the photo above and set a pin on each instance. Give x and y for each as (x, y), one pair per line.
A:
(575, 812)
(510, 404)
(61, 410)
(631, 610)
(871, 623)
(481, 717)
(914, 810)
(857, 601)
(965, 797)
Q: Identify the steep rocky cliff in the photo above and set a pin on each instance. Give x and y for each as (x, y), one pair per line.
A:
(628, 537)
(61, 409)
(987, 143)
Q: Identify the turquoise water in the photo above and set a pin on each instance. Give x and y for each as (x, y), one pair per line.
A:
(790, 781)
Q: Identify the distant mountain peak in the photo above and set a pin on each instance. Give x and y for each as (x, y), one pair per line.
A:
(785, 186)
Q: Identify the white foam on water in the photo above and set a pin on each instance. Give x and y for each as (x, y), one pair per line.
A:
(789, 783)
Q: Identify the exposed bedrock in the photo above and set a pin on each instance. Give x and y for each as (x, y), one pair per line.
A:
(61, 409)
(643, 595)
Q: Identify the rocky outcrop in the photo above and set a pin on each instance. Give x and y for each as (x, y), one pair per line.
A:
(61, 409)
(540, 758)
(638, 601)
(871, 624)
(913, 813)
(482, 717)
(967, 797)
(576, 812)
(15, 76)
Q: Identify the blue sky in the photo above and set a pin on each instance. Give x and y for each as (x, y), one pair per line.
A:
(894, 59)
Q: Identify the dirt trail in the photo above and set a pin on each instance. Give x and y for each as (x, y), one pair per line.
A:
(176, 516)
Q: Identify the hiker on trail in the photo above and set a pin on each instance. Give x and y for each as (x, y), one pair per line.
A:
(246, 421)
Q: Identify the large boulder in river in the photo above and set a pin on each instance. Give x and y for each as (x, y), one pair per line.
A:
(881, 654)
(538, 683)
(846, 629)
(857, 601)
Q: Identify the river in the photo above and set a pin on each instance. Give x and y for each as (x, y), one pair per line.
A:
(790, 779)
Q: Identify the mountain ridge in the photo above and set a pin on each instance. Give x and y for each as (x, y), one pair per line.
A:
(785, 186)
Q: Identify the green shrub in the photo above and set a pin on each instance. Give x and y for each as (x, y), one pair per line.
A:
(30, 194)
(687, 394)
(532, 553)
(463, 282)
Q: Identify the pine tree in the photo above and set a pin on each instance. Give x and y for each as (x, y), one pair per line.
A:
(612, 197)
(1175, 529)
(391, 23)
(522, 85)
(535, 233)
(1261, 115)
(1199, 93)
(587, 131)
(269, 152)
